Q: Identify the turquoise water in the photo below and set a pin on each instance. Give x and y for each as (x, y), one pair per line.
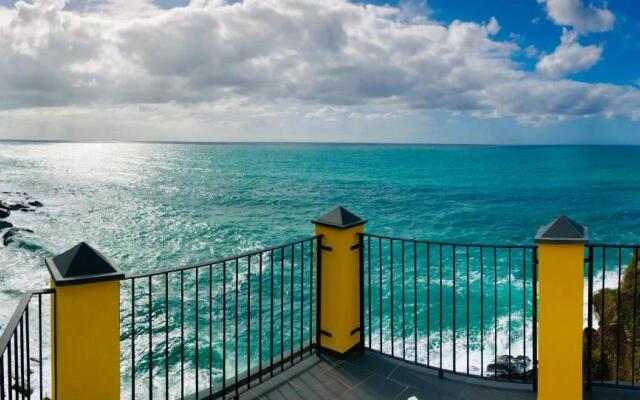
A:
(150, 206)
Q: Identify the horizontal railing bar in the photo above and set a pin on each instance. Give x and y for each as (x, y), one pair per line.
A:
(220, 260)
(472, 245)
(613, 385)
(448, 371)
(621, 246)
(9, 330)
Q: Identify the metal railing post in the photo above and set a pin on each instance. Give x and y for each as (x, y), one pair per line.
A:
(318, 294)
(340, 284)
(534, 316)
(589, 317)
(361, 287)
(561, 273)
(86, 326)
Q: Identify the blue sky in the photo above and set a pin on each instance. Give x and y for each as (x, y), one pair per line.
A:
(437, 71)
(621, 56)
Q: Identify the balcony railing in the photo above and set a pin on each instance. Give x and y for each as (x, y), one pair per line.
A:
(462, 308)
(219, 327)
(26, 347)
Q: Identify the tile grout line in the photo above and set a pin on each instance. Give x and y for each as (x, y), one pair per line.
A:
(321, 374)
(404, 389)
(353, 365)
(403, 386)
(360, 383)
(391, 373)
(280, 375)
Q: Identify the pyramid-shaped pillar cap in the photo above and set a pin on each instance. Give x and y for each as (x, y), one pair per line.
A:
(562, 230)
(339, 218)
(82, 264)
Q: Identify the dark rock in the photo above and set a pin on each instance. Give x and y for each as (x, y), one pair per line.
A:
(7, 238)
(5, 224)
(35, 203)
(27, 210)
(4, 213)
(509, 367)
(12, 206)
(17, 206)
(21, 390)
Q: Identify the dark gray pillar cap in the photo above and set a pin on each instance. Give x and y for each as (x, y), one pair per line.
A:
(82, 264)
(562, 230)
(339, 218)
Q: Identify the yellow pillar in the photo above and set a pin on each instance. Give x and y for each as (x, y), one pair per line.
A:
(85, 325)
(340, 280)
(561, 284)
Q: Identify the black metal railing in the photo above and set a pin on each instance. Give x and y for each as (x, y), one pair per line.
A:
(612, 351)
(462, 308)
(219, 327)
(26, 347)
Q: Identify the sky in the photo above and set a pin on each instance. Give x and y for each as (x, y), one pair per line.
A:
(437, 71)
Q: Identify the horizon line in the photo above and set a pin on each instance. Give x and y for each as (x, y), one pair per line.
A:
(223, 142)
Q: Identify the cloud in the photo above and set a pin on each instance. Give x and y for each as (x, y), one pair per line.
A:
(583, 19)
(531, 51)
(569, 57)
(287, 58)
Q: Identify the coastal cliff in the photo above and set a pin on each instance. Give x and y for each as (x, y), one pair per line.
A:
(617, 330)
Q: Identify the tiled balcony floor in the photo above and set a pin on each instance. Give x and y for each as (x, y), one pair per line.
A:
(373, 376)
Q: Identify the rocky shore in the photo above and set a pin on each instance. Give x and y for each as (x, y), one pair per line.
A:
(511, 368)
(617, 329)
(14, 202)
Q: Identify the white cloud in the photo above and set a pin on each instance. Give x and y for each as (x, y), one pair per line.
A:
(583, 18)
(282, 59)
(531, 51)
(493, 26)
(569, 57)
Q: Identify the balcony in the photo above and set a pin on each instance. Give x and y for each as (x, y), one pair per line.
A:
(372, 376)
(341, 314)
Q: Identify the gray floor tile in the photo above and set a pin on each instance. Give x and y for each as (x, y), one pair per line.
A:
(330, 359)
(381, 365)
(472, 392)
(375, 388)
(604, 393)
(349, 374)
(274, 388)
(373, 376)
(437, 386)
(421, 394)
(319, 386)
(312, 364)
(248, 396)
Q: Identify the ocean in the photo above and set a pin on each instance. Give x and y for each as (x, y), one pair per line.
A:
(149, 205)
